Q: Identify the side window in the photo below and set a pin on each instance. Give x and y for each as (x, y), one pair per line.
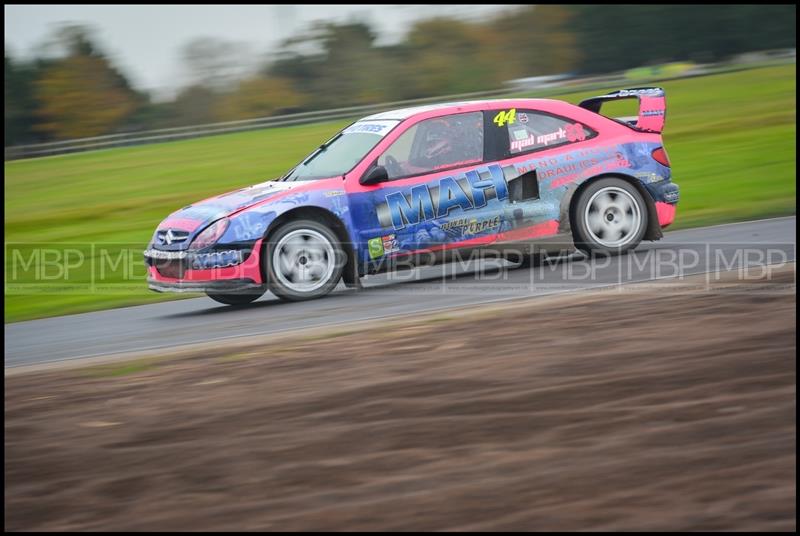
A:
(434, 144)
(532, 131)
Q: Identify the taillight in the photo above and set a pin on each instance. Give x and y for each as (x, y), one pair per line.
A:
(660, 156)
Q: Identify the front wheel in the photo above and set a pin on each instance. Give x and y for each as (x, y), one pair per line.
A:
(304, 260)
(610, 217)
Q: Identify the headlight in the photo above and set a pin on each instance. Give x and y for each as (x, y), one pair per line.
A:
(211, 234)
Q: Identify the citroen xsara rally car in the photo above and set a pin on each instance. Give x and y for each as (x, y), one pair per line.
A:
(420, 185)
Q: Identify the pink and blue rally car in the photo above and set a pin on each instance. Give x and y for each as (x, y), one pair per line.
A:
(426, 185)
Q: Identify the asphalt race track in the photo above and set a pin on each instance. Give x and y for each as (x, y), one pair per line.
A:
(746, 246)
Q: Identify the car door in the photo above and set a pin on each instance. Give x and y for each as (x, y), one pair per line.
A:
(440, 193)
(540, 151)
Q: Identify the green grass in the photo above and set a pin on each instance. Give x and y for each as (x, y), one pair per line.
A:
(730, 137)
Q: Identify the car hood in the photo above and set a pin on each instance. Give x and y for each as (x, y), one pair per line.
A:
(195, 217)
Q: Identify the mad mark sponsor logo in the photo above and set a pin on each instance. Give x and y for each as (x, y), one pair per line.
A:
(523, 139)
(425, 202)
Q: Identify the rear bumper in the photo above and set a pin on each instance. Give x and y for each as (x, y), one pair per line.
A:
(666, 213)
(666, 195)
(664, 191)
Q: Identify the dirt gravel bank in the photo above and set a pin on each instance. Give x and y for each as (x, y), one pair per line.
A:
(653, 410)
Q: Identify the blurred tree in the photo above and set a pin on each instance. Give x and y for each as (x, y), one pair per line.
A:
(350, 59)
(616, 37)
(534, 41)
(195, 105)
(153, 115)
(446, 58)
(216, 64)
(82, 94)
(292, 65)
(20, 105)
(259, 97)
(73, 89)
(80, 97)
(74, 40)
(336, 63)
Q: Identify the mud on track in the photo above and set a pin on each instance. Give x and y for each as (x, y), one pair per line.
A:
(656, 408)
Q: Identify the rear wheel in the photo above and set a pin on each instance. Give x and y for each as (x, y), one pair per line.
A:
(304, 260)
(610, 217)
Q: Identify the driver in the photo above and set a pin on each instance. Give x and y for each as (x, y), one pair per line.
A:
(453, 142)
(438, 147)
(441, 143)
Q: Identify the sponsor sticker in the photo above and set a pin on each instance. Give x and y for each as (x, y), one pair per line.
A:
(520, 134)
(471, 226)
(546, 139)
(375, 247)
(518, 145)
(575, 132)
(542, 139)
(390, 244)
(649, 91)
(649, 176)
(505, 117)
(476, 226)
(380, 128)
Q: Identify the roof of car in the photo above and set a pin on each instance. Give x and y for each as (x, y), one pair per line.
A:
(405, 113)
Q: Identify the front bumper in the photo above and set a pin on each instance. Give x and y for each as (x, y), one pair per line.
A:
(226, 286)
(178, 271)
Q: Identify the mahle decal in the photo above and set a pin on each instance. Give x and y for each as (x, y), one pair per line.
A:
(426, 202)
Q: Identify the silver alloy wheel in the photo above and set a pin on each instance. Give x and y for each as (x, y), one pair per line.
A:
(304, 260)
(612, 217)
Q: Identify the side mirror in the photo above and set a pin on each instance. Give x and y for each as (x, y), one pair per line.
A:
(374, 176)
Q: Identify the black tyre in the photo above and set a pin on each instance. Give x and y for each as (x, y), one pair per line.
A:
(235, 299)
(304, 260)
(609, 217)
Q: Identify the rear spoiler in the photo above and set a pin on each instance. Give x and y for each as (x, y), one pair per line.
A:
(652, 106)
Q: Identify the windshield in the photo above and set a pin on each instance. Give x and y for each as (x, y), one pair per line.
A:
(342, 152)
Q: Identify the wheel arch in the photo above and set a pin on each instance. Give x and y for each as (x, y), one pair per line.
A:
(332, 221)
(653, 231)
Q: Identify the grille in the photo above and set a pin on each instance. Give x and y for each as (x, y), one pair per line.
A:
(174, 269)
(171, 236)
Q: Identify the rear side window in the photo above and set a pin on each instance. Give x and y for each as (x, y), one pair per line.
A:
(536, 131)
